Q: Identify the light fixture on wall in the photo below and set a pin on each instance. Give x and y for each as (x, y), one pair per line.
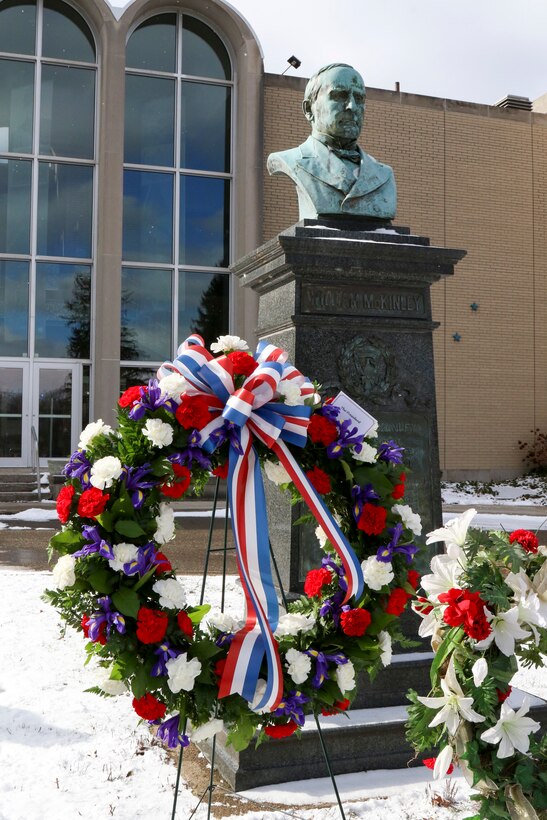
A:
(474, 307)
(293, 62)
(456, 336)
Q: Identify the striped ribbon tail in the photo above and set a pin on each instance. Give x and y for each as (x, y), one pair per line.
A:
(255, 640)
(350, 562)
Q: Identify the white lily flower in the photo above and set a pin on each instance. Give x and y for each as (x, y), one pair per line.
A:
(207, 730)
(453, 533)
(452, 705)
(530, 596)
(512, 731)
(385, 646)
(505, 631)
(445, 574)
(443, 762)
(479, 671)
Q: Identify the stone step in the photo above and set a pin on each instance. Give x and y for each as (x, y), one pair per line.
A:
(20, 496)
(359, 740)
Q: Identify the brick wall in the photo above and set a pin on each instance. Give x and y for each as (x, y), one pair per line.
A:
(474, 177)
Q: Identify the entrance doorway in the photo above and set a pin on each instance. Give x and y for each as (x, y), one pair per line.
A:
(46, 396)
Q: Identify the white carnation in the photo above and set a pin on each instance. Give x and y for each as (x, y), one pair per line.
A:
(105, 471)
(173, 385)
(222, 621)
(367, 453)
(123, 554)
(385, 643)
(207, 730)
(291, 623)
(111, 687)
(410, 519)
(171, 593)
(373, 432)
(182, 673)
(276, 473)
(291, 392)
(225, 344)
(63, 572)
(298, 665)
(376, 573)
(94, 428)
(159, 433)
(166, 524)
(345, 677)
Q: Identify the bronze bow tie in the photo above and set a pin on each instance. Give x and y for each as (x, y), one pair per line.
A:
(347, 153)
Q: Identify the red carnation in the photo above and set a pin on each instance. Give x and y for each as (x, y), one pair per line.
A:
(101, 637)
(64, 503)
(222, 470)
(402, 478)
(151, 625)
(337, 706)
(180, 483)
(219, 668)
(413, 578)
(322, 430)
(282, 730)
(429, 762)
(398, 491)
(526, 539)
(130, 396)
(242, 362)
(372, 519)
(397, 601)
(185, 624)
(163, 563)
(316, 579)
(193, 411)
(355, 622)
(320, 480)
(503, 694)
(92, 503)
(148, 707)
(466, 608)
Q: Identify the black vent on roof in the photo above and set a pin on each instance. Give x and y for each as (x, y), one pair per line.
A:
(512, 101)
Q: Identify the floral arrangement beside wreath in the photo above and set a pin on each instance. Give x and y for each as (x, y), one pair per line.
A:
(485, 607)
(191, 670)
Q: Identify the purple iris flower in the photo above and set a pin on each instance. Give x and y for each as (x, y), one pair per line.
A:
(361, 495)
(390, 451)
(164, 653)
(228, 431)
(225, 639)
(97, 544)
(136, 482)
(322, 661)
(145, 560)
(330, 411)
(291, 706)
(192, 452)
(168, 732)
(332, 606)
(385, 554)
(78, 467)
(107, 617)
(151, 399)
(348, 436)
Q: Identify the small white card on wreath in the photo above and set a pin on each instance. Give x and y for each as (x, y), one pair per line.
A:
(349, 409)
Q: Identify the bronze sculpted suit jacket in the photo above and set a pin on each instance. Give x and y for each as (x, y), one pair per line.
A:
(327, 185)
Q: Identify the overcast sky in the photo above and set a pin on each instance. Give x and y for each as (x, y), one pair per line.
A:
(475, 50)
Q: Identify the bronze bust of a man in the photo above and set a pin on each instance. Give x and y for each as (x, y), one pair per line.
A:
(332, 174)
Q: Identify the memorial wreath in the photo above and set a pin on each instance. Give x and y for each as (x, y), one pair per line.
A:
(484, 605)
(193, 670)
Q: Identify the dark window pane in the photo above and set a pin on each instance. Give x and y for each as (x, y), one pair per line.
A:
(204, 221)
(152, 46)
(65, 196)
(14, 295)
(149, 120)
(55, 413)
(63, 304)
(16, 104)
(203, 52)
(205, 127)
(148, 217)
(15, 182)
(203, 305)
(130, 376)
(146, 312)
(11, 412)
(67, 111)
(17, 27)
(65, 34)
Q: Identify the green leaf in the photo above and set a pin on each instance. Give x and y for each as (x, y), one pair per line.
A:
(127, 602)
(142, 682)
(66, 541)
(197, 613)
(203, 650)
(451, 640)
(347, 470)
(371, 475)
(102, 580)
(161, 467)
(105, 520)
(241, 736)
(130, 529)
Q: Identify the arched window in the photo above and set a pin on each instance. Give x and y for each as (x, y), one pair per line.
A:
(177, 187)
(47, 164)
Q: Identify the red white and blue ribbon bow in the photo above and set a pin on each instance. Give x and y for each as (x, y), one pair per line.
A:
(253, 411)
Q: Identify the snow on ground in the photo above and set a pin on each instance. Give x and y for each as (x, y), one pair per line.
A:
(526, 490)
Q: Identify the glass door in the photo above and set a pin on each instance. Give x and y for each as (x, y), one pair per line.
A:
(14, 414)
(57, 411)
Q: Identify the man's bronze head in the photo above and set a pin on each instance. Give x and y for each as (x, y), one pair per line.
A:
(334, 103)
